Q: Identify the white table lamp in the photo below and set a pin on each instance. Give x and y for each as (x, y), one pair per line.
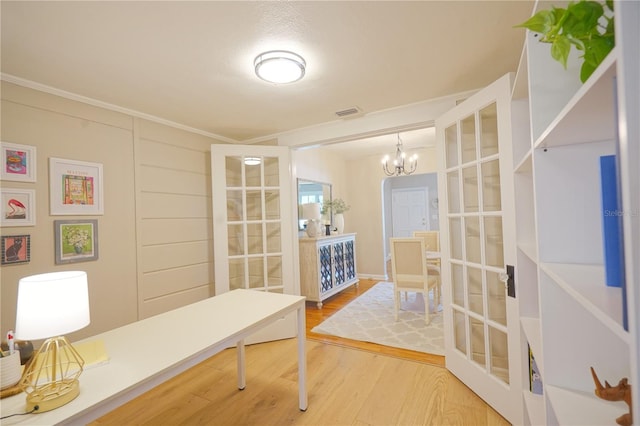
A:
(49, 306)
(311, 212)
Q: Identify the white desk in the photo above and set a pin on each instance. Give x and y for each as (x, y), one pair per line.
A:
(146, 353)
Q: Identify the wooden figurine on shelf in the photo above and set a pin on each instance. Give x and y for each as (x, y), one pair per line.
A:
(621, 392)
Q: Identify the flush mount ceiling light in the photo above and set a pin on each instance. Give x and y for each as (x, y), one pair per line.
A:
(251, 161)
(279, 66)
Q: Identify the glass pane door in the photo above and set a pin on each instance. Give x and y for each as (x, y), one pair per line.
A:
(481, 323)
(479, 298)
(253, 223)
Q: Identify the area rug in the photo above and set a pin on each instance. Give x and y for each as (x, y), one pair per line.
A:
(370, 318)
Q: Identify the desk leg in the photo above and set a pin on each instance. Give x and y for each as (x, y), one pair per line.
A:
(241, 370)
(302, 358)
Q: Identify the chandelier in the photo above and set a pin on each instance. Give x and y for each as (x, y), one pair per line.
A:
(398, 167)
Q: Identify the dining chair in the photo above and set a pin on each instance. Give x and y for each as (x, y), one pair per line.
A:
(432, 244)
(410, 273)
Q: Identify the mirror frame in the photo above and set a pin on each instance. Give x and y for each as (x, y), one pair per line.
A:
(326, 186)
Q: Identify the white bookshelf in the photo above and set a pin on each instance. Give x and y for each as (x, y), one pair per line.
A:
(568, 316)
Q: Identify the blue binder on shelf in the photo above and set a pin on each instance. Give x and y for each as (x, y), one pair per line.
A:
(612, 236)
(611, 222)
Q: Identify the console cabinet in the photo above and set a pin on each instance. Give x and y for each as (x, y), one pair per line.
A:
(327, 266)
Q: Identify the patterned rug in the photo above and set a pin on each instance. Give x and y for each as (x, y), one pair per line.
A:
(370, 318)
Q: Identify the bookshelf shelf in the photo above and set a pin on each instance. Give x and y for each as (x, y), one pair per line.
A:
(569, 126)
(580, 408)
(585, 283)
(534, 405)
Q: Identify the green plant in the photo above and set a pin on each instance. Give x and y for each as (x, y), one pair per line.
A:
(337, 206)
(584, 25)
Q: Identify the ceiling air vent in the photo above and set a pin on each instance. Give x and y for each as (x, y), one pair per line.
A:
(347, 112)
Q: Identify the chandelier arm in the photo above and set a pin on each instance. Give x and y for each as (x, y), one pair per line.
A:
(385, 169)
(414, 166)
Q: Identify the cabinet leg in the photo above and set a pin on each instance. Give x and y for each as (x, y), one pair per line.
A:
(319, 305)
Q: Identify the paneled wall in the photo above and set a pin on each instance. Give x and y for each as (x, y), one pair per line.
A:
(173, 181)
(155, 234)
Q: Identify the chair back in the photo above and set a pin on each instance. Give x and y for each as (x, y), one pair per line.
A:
(431, 239)
(408, 264)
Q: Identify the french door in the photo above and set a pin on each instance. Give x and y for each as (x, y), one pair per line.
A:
(482, 338)
(253, 225)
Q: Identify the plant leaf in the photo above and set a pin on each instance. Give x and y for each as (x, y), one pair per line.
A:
(582, 19)
(586, 70)
(597, 49)
(560, 49)
(541, 22)
(609, 4)
(611, 27)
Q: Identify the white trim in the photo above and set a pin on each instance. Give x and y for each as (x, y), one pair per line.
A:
(90, 101)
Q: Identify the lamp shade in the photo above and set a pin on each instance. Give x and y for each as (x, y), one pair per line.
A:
(52, 304)
(311, 211)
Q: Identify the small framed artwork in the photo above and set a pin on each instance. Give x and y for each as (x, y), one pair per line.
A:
(18, 162)
(18, 207)
(76, 240)
(15, 249)
(75, 187)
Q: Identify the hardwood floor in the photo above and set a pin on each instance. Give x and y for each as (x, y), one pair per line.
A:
(349, 383)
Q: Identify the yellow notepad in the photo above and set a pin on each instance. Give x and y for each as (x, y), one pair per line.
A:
(92, 352)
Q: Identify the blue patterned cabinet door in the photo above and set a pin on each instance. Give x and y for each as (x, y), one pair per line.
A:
(349, 260)
(338, 263)
(326, 283)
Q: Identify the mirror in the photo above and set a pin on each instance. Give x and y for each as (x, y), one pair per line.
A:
(310, 191)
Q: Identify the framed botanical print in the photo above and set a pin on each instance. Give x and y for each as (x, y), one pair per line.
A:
(75, 187)
(17, 207)
(76, 240)
(18, 162)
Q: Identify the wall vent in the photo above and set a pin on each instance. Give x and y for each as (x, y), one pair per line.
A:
(348, 111)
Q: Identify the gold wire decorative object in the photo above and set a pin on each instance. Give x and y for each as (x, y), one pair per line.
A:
(51, 379)
(50, 306)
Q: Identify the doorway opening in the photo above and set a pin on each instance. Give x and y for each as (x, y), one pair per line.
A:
(409, 203)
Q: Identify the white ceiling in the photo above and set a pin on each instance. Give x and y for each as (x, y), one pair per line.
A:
(192, 62)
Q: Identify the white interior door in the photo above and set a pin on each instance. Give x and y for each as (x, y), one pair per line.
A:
(253, 225)
(409, 211)
(477, 228)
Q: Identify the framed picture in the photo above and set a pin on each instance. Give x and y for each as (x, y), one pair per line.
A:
(18, 207)
(76, 240)
(18, 162)
(15, 249)
(75, 187)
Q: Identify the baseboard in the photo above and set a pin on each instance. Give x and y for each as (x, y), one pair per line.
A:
(373, 277)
